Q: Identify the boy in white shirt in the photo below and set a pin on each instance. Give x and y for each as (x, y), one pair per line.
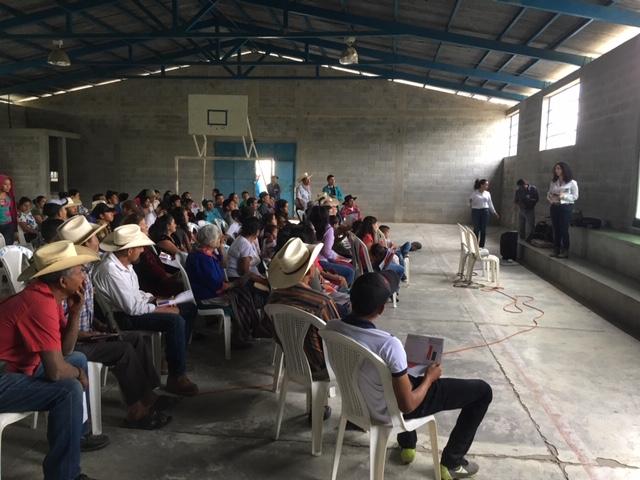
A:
(416, 397)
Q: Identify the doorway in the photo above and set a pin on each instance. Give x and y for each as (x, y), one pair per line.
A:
(251, 175)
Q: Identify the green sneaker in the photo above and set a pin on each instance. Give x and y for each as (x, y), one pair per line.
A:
(466, 470)
(407, 455)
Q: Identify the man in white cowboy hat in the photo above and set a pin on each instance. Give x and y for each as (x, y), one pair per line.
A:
(117, 281)
(40, 371)
(290, 274)
(303, 192)
(127, 355)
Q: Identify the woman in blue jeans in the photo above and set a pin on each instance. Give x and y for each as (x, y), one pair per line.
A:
(563, 192)
(481, 205)
(329, 259)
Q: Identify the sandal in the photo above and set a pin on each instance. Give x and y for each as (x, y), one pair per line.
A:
(153, 421)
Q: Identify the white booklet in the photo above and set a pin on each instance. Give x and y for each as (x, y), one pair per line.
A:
(182, 297)
(422, 351)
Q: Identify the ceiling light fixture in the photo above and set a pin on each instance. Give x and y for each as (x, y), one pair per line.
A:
(349, 55)
(58, 57)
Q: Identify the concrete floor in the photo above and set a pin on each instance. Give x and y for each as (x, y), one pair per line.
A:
(566, 400)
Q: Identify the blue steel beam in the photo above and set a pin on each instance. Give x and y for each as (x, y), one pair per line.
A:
(576, 8)
(585, 23)
(438, 35)
(420, 62)
(52, 12)
(72, 77)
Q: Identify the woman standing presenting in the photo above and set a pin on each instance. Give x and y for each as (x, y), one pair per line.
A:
(481, 205)
(563, 192)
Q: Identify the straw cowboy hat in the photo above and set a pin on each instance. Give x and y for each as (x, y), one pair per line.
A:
(291, 263)
(305, 175)
(71, 203)
(125, 237)
(78, 230)
(55, 257)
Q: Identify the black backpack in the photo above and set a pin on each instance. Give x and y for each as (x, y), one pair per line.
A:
(543, 231)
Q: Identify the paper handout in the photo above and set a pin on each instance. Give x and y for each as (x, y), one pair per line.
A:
(422, 351)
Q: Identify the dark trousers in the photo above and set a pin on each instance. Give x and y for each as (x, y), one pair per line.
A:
(526, 222)
(472, 396)
(176, 329)
(130, 361)
(8, 231)
(560, 220)
(480, 219)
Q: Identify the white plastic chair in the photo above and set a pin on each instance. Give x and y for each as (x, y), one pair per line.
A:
(95, 396)
(464, 250)
(291, 325)
(7, 419)
(154, 337)
(3, 243)
(360, 252)
(477, 254)
(217, 311)
(346, 357)
(14, 259)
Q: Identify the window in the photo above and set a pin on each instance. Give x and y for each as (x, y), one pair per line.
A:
(514, 120)
(560, 117)
(264, 170)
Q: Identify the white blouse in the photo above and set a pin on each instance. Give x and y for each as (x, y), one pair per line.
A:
(563, 193)
(481, 200)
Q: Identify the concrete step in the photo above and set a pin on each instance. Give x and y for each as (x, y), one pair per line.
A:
(615, 296)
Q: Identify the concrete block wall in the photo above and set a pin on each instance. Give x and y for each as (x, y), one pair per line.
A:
(25, 157)
(408, 154)
(606, 156)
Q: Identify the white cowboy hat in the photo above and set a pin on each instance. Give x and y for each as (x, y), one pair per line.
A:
(96, 202)
(78, 230)
(55, 257)
(291, 263)
(71, 203)
(125, 237)
(305, 175)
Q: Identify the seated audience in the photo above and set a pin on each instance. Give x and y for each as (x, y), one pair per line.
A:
(182, 236)
(350, 211)
(281, 210)
(36, 211)
(126, 208)
(127, 354)
(265, 204)
(204, 266)
(153, 276)
(161, 232)
(244, 254)
(103, 215)
(329, 259)
(245, 196)
(211, 214)
(41, 371)
(135, 309)
(290, 274)
(383, 258)
(49, 230)
(26, 221)
(416, 396)
(74, 194)
(269, 238)
(234, 227)
(54, 208)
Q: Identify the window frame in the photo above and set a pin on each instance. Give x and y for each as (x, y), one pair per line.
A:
(510, 119)
(548, 118)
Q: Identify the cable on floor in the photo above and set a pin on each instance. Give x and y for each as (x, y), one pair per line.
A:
(510, 307)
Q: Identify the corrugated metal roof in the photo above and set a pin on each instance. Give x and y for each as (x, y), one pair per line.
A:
(482, 47)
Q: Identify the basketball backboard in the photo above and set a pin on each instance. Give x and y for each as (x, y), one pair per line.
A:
(218, 115)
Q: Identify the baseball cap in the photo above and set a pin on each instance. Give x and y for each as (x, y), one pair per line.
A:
(349, 197)
(372, 290)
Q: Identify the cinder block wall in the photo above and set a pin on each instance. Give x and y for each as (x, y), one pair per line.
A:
(606, 155)
(408, 154)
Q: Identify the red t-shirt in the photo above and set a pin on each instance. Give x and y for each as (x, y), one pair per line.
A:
(29, 324)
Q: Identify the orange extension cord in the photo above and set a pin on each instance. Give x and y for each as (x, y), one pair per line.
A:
(510, 307)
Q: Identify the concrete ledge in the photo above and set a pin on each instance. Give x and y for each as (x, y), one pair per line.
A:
(615, 251)
(616, 297)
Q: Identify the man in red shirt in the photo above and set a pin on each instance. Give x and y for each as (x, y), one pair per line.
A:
(36, 375)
